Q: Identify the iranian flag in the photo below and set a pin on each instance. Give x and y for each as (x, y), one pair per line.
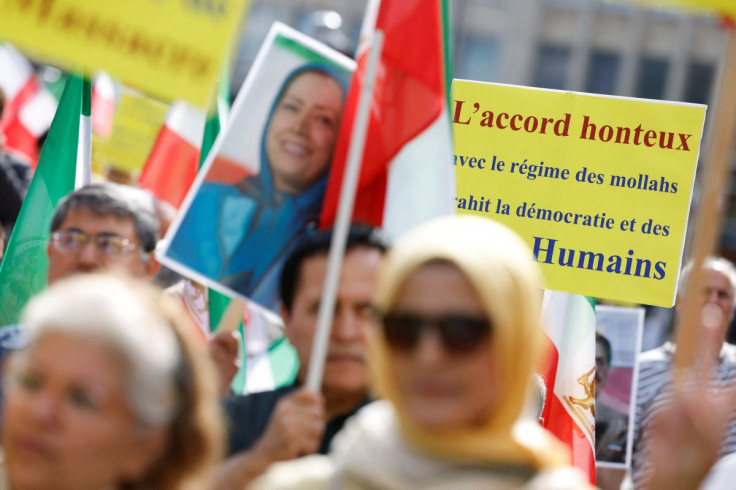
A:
(406, 175)
(103, 104)
(29, 107)
(569, 412)
(174, 159)
(23, 269)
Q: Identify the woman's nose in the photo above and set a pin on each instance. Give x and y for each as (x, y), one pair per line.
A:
(300, 123)
(44, 408)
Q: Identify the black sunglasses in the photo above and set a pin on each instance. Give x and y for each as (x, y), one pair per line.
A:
(459, 333)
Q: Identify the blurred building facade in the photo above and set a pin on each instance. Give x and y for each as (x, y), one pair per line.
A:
(596, 46)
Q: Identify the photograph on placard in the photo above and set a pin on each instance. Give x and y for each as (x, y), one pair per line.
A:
(262, 187)
(618, 342)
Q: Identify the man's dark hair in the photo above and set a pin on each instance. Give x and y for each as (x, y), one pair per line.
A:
(121, 201)
(318, 242)
(600, 339)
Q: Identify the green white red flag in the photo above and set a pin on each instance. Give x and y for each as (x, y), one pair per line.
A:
(29, 107)
(174, 159)
(569, 413)
(24, 266)
(406, 176)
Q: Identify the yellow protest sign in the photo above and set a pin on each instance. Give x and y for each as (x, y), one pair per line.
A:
(167, 48)
(138, 120)
(726, 7)
(598, 186)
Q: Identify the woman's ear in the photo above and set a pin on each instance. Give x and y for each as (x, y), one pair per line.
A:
(146, 447)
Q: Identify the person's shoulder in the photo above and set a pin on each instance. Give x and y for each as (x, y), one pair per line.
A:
(310, 472)
(664, 352)
(658, 359)
(728, 353)
(562, 478)
(722, 474)
(12, 337)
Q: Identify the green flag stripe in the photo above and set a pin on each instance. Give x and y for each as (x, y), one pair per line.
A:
(87, 98)
(238, 383)
(284, 362)
(447, 37)
(23, 269)
(308, 54)
(591, 300)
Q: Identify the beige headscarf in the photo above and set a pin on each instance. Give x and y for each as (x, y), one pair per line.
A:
(503, 273)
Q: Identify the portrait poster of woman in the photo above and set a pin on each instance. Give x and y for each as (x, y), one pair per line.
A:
(262, 185)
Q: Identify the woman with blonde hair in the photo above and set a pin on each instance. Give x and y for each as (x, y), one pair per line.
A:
(110, 392)
(454, 352)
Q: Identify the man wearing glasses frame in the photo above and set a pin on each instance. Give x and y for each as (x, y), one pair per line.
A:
(103, 226)
(98, 227)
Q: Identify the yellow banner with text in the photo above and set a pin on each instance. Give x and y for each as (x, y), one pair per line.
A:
(167, 48)
(598, 186)
(725, 7)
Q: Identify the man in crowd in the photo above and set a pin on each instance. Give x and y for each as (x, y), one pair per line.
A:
(103, 226)
(100, 226)
(717, 305)
(292, 421)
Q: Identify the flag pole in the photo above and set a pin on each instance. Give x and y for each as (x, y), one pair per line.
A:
(84, 144)
(342, 221)
(710, 212)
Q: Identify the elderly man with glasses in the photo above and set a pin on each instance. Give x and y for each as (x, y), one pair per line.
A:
(103, 226)
(98, 227)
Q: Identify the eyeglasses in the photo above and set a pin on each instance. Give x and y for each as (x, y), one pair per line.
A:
(73, 241)
(459, 334)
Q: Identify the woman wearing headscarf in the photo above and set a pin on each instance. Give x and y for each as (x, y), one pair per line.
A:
(454, 354)
(267, 212)
(109, 393)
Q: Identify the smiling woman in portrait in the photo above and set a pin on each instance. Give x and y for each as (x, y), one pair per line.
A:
(257, 220)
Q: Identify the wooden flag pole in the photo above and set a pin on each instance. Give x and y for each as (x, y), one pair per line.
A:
(710, 212)
(348, 190)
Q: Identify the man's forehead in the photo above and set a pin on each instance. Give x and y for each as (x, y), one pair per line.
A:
(91, 221)
(718, 274)
(358, 260)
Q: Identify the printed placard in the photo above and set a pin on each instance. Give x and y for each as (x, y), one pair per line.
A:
(618, 343)
(598, 186)
(167, 48)
(261, 188)
(727, 7)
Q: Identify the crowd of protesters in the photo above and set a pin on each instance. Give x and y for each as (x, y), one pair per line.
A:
(429, 379)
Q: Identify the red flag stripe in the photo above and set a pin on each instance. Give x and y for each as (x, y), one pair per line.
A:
(23, 143)
(14, 105)
(408, 97)
(171, 168)
(565, 428)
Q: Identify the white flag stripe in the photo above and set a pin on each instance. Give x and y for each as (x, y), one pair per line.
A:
(36, 115)
(15, 72)
(421, 180)
(187, 121)
(570, 324)
(84, 153)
